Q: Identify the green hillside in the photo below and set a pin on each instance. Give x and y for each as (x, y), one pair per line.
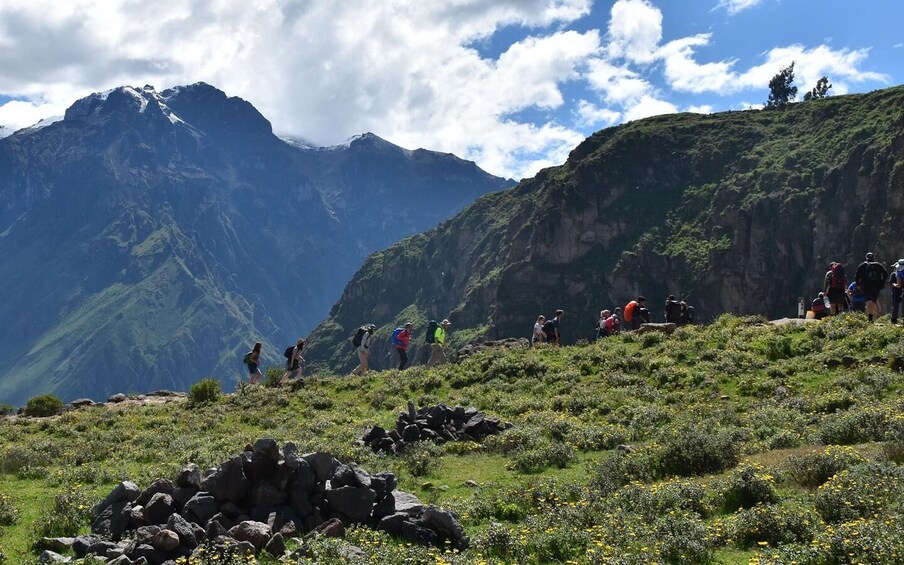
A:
(737, 212)
(736, 442)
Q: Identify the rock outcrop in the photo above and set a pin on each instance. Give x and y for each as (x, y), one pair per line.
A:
(251, 503)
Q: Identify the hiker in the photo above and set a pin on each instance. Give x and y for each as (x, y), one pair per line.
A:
(400, 338)
(673, 310)
(835, 286)
(294, 363)
(687, 314)
(820, 307)
(855, 294)
(538, 336)
(601, 329)
(871, 277)
(557, 327)
(613, 322)
(438, 346)
(636, 313)
(362, 342)
(896, 279)
(253, 360)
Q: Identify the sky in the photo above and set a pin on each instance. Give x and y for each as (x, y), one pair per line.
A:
(511, 84)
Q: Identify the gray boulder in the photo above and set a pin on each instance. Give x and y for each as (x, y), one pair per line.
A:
(355, 503)
(125, 491)
(117, 398)
(443, 522)
(265, 494)
(160, 485)
(48, 556)
(113, 520)
(159, 508)
(228, 481)
(189, 476)
(184, 529)
(323, 464)
(255, 533)
(166, 540)
(201, 508)
(407, 503)
(276, 546)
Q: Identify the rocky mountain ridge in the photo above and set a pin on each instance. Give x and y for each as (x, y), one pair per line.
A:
(148, 238)
(735, 212)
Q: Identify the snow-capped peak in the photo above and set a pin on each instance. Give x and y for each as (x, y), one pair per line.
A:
(136, 98)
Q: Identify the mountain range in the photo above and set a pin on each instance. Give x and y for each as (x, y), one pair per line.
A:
(737, 212)
(148, 238)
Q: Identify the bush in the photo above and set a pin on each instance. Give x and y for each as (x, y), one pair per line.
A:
(421, 458)
(204, 391)
(8, 513)
(544, 455)
(814, 469)
(748, 486)
(860, 492)
(70, 512)
(43, 406)
(7, 409)
(853, 426)
(775, 525)
(699, 450)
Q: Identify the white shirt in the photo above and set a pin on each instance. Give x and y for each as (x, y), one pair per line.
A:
(365, 342)
(538, 333)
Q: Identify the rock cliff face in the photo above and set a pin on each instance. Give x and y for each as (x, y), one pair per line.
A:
(735, 212)
(149, 238)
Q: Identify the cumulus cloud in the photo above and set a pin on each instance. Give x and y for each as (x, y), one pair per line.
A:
(591, 115)
(649, 106)
(635, 29)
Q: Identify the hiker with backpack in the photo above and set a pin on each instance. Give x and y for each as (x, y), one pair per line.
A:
(896, 279)
(636, 313)
(438, 342)
(673, 310)
(294, 363)
(835, 286)
(870, 277)
(820, 306)
(253, 360)
(552, 329)
(613, 322)
(400, 338)
(361, 341)
(687, 314)
(855, 295)
(538, 336)
(601, 329)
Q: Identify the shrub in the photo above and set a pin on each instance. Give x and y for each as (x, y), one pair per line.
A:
(859, 492)
(544, 455)
(8, 513)
(7, 409)
(699, 450)
(70, 512)
(772, 524)
(853, 426)
(204, 391)
(43, 406)
(748, 486)
(421, 458)
(814, 469)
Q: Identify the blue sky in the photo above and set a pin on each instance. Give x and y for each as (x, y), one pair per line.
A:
(511, 84)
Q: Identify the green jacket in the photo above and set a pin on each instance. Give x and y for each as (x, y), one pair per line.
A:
(440, 336)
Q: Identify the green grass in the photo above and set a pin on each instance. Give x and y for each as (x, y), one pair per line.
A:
(553, 488)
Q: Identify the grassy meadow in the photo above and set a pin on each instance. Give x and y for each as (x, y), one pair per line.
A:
(736, 442)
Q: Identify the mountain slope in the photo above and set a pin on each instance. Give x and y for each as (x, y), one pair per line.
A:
(149, 237)
(736, 212)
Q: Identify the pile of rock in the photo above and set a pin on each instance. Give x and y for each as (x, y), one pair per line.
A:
(253, 502)
(438, 424)
(507, 343)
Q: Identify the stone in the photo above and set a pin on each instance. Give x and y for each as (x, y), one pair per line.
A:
(407, 503)
(283, 476)
(189, 476)
(149, 553)
(166, 540)
(160, 485)
(443, 522)
(201, 508)
(276, 546)
(136, 518)
(113, 520)
(304, 478)
(268, 448)
(255, 533)
(232, 510)
(58, 545)
(117, 398)
(181, 495)
(80, 402)
(228, 482)
(375, 433)
(214, 530)
(81, 544)
(159, 508)
(355, 503)
(411, 433)
(48, 556)
(352, 553)
(184, 529)
(323, 464)
(332, 528)
(122, 560)
(667, 328)
(301, 503)
(125, 491)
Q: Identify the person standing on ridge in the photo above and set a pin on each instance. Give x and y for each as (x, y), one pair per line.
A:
(363, 338)
(601, 330)
(896, 279)
(537, 338)
(672, 310)
(636, 313)
(836, 283)
(613, 322)
(438, 348)
(871, 277)
(294, 363)
(557, 326)
(400, 338)
(253, 360)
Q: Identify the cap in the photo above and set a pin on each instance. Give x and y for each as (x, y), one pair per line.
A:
(869, 256)
(445, 323)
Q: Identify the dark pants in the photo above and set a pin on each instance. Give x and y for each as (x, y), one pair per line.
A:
(895, 304)
(403, 358)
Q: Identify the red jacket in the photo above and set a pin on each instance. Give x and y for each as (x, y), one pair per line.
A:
(404, 337)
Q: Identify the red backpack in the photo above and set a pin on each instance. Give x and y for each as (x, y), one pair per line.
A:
(839, 278)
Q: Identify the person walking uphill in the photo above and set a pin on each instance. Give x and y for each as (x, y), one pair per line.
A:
(362, 342)
(253, 360)
(400, 338)
(871, 277)
(835, 288)
(897, 289)
(438, 345)
(294, 362)
(538, 336)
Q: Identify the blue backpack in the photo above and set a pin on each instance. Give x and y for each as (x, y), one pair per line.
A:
(395, 337)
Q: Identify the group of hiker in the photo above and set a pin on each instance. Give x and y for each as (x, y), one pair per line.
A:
(861, 294)
(435, 337)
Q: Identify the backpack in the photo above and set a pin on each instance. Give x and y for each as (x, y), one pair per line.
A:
(431, 331)
(549, 328)
(689, 315)
(359, 335)
(247, 358)
(288, 352)
(610, 325)
(672, 311)
(395, 337)
(874, 273)
(839, 279)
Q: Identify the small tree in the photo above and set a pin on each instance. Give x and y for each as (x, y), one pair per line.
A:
(819, 91)
(781, 91)
(43, 406)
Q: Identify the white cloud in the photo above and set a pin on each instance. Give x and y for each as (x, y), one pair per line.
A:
(18, 114)
(618, 85)
(735, 6)
(684, 74)
(590, 115)
(635, 29)
(649, 106)
(898, 45)
(701, 109)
